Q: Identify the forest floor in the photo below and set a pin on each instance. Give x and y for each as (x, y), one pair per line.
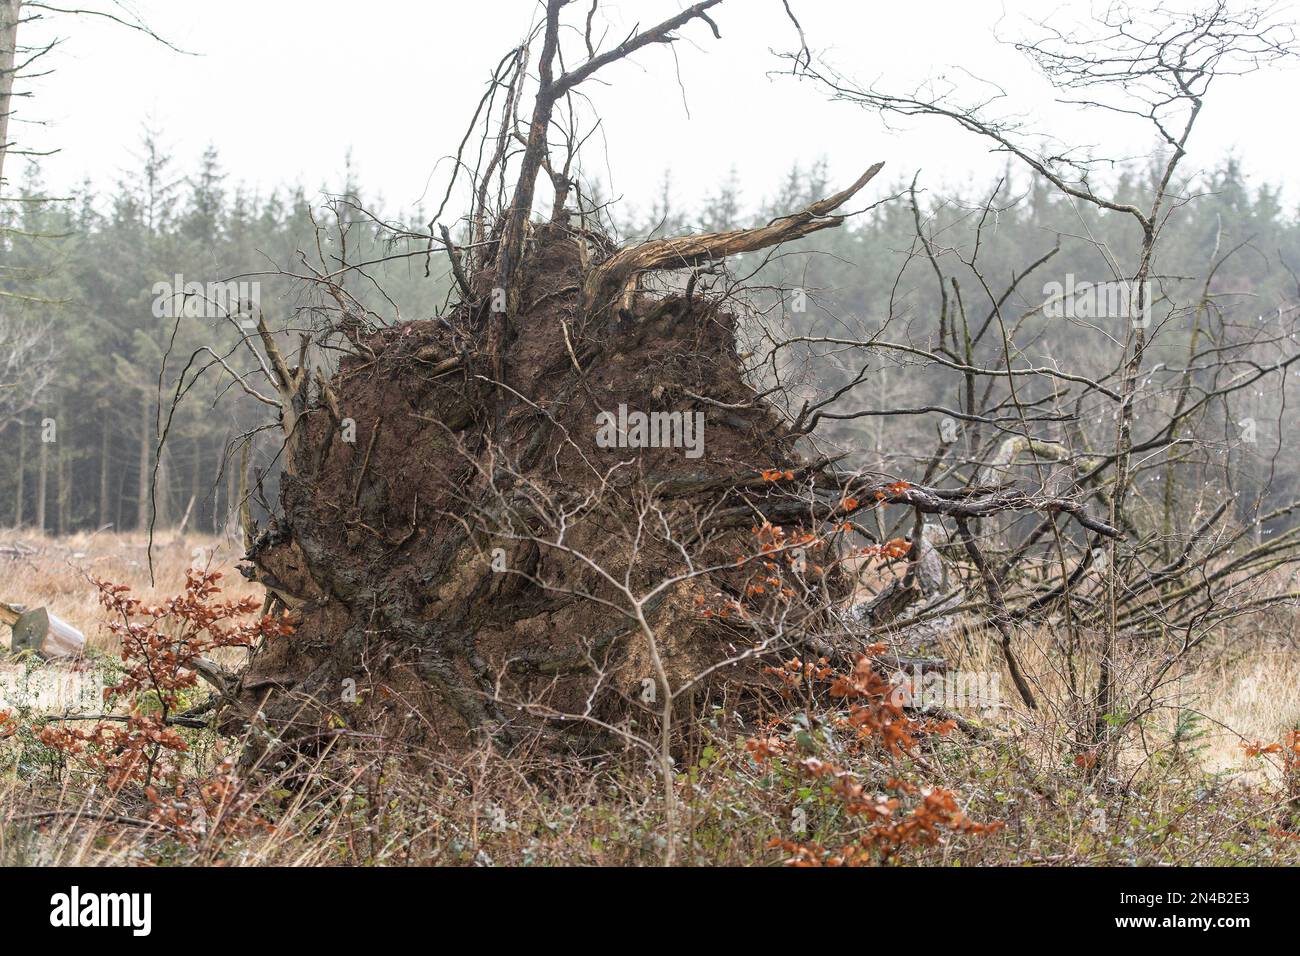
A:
(1188, 792)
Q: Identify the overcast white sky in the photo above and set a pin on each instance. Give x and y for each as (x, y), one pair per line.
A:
(285, 88)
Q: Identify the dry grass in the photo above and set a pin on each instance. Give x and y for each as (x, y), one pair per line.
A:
(1243, 684)
(58, 573)
(1200, 802)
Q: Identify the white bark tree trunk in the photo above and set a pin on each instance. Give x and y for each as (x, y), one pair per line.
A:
(9, 12)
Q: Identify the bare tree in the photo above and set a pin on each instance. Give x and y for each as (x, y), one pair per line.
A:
(9, 16)
(27, 364)
(1153, 66)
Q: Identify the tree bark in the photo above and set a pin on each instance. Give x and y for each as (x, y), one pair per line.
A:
(22, 473)
(9, 13)
(105, 447)
(142, 483)
(42, 474)
(61, 487)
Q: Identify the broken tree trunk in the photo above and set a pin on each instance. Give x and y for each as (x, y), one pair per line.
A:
(614, 280)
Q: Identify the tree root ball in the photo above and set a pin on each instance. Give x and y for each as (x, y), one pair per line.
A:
(453, 547)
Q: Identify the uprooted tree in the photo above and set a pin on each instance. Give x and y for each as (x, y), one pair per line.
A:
(570, 506)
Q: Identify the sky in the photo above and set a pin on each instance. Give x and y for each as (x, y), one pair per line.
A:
(287, 89)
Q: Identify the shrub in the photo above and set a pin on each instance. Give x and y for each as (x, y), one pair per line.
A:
(162, 648)
(896, 813)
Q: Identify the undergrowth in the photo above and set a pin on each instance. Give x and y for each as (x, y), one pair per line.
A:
(843, 774)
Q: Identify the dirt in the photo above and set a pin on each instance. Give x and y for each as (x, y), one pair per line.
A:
(385, 543)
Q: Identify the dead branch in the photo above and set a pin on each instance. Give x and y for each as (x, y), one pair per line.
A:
(614, 279)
